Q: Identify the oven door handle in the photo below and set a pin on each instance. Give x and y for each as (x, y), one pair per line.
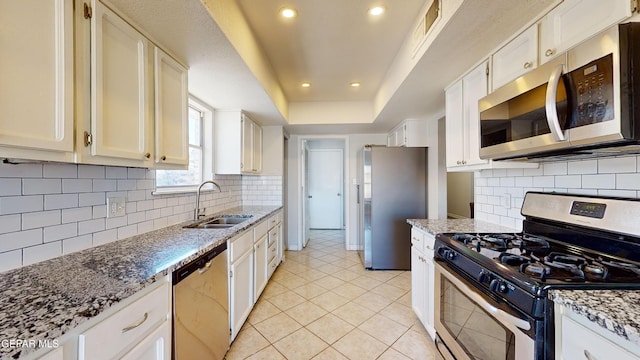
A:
(550, 104)
(500, 314)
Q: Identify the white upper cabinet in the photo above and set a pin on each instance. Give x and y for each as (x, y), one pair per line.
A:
(171, 104)
(574, 21)
(516, 58)
(36, 79)
(119, 88)
(238, 143)
(454, 123)
(409, 133)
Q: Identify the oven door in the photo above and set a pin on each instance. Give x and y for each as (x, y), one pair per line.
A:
(473, 326)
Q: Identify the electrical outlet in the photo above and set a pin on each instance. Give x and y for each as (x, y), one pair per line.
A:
(115, 207)
(506, 201)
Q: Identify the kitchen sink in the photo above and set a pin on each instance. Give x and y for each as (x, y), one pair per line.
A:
(222, 222)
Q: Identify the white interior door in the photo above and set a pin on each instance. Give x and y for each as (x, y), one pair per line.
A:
(325, 181)
(305, 209)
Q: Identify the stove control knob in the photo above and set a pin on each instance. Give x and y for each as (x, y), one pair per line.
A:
(449, 254)
(498, 286)
(483, 277)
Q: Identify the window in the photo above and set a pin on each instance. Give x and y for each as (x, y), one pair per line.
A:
(197, 154)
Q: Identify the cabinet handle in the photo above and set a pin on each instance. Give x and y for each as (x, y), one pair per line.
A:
(550, 52)
(163, 158)
(458, 162)
(588, 355)
(528, 64)
(147, 155)
(131, 327)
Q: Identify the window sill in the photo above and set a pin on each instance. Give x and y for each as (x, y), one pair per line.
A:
(180, 190)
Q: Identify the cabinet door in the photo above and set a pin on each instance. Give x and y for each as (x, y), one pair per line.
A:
(261, 262)
(57, 354)
(240, 291)
(429, 294)
(418, 284)
(576, 20)
(580, 343)
(36, 74)
(257, 149)
(171, 122)
(474, 87)
(119, 87)
(156, 346)
(454, 125)
(516, 58)
(247, 145)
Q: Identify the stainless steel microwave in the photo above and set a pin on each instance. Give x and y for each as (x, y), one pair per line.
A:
(583, 103)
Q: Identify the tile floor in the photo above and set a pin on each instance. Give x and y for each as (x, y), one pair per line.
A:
(322, 304)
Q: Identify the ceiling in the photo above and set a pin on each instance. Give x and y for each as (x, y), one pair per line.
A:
(330, 44)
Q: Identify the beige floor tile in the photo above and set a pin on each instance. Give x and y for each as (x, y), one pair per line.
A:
(389, 291)
(329, 258)
(329, 354)
(310, 290)
(312, 275)
(366, 282)
(415, 346)
(359, 345)
(383, 329)
(300, 345)
(401, 314)
(330, 328)
(292, 282)
(346, 275)
(268, 353)
(391, 354)
(248, 342)
(277, 327)
(345, 263)
(280, 274)
(306, 312)
(329, 268)
(262, 311)
(373, 301)
(329, 301)
(383, 276)
(405, 299)
(349, 291)
(401, 282)
(329, 282)
(353, 313)
(286, 300)
(272, 289)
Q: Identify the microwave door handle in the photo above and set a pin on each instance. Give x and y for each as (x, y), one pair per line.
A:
(550, 104)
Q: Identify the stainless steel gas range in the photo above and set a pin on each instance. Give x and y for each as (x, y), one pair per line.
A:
(491, 289)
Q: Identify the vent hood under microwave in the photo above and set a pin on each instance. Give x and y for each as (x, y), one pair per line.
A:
(584, 103)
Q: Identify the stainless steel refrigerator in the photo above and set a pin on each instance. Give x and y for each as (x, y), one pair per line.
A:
(392, 187)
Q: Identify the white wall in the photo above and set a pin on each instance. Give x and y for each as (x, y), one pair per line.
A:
(617, 176)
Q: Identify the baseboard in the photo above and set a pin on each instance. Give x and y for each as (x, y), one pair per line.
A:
(353, 247)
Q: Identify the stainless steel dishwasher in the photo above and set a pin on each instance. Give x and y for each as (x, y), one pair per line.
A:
(201, 307)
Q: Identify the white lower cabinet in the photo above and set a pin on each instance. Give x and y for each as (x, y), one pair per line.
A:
(156, 346)
(131, 328)
(422, 281)
(261, 250)
(577, 338)
(241, 281)
(57, 354)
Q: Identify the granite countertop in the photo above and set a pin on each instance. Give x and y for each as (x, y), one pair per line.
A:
(437, 226)
(45, 300)
(615, 310)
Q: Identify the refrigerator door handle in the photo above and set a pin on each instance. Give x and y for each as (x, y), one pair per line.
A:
(357, 194)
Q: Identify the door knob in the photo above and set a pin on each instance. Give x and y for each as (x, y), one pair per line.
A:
(309, 196)
(338, 194)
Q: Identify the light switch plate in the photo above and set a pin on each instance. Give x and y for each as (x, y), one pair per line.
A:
(116, 207)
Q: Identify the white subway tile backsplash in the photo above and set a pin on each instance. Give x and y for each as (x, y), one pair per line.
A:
(136, 218)
(90, 199)
(9, 223)
(20, 171)
(104, 185)
(507, 181)
(582, 167)
(21, 204)
(617, 165)
(77, 244)
(60, 232)
(91, 172)
(113, 172)
(104, 237)
(124, 185)
(116, 222)
(600, 181)
(127, 231)
(10, 260)
(544, 181)
(533, 172)
(60, 171)
(628, 181)
(554, 169)
(145, 226)
(41, 186)
(99, 211)
(136, 173)
(10, 187)
(34, 254)
(77, 214)
(144, 205)
(40, 219)
(60, 201)
(568, 181)
(20, 239)
(152, 214)
(91, 226)
(145, 184)
(77, 185)
(617, 193)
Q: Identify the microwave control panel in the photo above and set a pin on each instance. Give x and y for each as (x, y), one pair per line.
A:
(593, 86)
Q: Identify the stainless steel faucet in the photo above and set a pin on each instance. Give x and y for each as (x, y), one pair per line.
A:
(196, 213)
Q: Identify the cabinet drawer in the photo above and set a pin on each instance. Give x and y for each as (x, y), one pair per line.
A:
(239, 245)
(417, 239)
(273, 264)
(126, 327)
(273, 236)
(578, 342)
(273, 251)
(261, 230)
(273, 220)
(429, 242)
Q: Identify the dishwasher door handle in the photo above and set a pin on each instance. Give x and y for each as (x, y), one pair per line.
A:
(205, 268)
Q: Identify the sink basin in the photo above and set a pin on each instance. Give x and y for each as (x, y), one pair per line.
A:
(222, 222)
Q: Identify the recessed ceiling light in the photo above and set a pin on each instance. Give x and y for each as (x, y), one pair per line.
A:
(377, 10)
(355, 84)
(288, 12)
(305, 84)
